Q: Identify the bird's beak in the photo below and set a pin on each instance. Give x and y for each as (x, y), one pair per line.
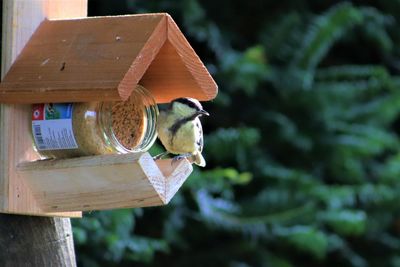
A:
(203, 112)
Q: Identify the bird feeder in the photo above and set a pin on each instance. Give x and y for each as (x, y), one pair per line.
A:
(96, 59)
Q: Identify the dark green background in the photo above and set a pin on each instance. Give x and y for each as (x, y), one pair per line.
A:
(302, 145)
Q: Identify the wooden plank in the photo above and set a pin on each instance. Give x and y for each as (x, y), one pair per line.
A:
(143, 61)
(178, 71)
(168, 77)
(85, 59)
(21, 18)
(175, 175)
(104, 182)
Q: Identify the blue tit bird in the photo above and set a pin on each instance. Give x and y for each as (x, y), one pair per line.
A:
(179, 129)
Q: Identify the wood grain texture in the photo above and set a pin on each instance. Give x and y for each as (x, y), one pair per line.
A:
(146, 56)
(71, 60)
(21, 18)
(104, 182)
(177, 71)
(103, 58)
(176, 174)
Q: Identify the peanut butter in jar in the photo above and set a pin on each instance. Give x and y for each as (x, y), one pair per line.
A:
(66, 130)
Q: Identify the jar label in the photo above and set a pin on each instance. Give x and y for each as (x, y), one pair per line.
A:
(52, 126)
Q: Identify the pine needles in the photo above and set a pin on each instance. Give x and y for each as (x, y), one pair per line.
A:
(302, 146)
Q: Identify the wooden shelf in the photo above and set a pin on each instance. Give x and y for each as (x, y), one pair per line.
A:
(103, 182)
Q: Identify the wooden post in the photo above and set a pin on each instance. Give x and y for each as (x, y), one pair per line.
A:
(20, 20)
(24, 240)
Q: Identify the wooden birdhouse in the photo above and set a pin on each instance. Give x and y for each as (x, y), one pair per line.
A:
(93, 59)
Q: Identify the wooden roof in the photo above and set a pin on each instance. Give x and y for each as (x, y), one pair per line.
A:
(103, 58)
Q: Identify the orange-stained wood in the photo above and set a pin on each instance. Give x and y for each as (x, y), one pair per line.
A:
(169, 71)
(20, 20)
(178, 71)
(69, 59)
(103, 59)
(140, 64)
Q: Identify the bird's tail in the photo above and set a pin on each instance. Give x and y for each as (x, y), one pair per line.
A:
(198, 159)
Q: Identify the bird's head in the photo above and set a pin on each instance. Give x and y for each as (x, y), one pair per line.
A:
(186, 106)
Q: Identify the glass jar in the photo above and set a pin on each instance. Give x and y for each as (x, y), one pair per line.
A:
(68, 130)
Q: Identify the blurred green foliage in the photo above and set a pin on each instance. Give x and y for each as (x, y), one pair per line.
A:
(302, 147)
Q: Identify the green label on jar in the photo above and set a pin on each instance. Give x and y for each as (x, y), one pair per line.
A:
(52, 126)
